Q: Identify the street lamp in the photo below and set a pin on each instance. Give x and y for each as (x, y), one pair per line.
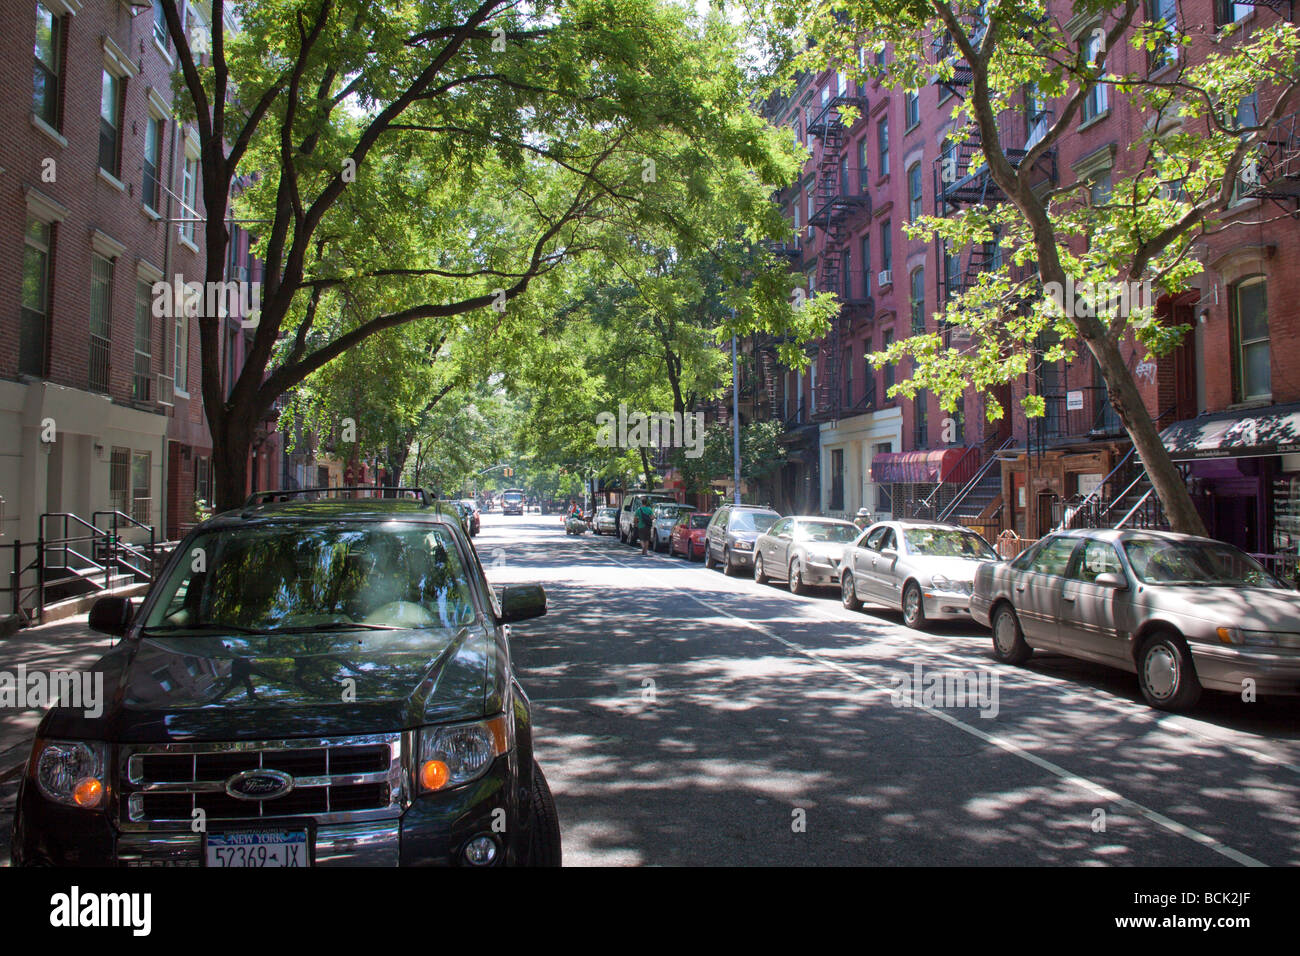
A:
(735, 417)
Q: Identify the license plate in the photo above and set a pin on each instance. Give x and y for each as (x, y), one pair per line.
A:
(257, 848)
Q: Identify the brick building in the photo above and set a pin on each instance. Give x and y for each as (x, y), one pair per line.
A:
(1232, 421)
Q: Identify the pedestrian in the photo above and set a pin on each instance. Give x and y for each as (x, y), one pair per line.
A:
(645, 519)
(862, 518)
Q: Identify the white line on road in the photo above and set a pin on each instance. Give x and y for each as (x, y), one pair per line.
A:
(1083, 783)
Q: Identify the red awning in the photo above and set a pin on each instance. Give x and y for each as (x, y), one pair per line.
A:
(925, 467)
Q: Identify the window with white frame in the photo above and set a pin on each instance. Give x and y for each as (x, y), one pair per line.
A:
(1096, 102)
(110, 122)
(189, 196)
(1252, 350)
(47, 83)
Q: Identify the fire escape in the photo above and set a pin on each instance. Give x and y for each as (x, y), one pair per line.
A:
(1277, 165)
(836, 209)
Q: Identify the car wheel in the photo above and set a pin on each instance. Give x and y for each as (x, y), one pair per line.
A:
(1167, 673)
(727, 567)
(1008, 639)
(795, 577)
(690, 550)
(654, 542)
(848, 595)
(544, 847)
(913, 606)
(708, 555)
(759, 576)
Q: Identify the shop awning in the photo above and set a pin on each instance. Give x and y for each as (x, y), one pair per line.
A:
(1263, 432)
(925, 467)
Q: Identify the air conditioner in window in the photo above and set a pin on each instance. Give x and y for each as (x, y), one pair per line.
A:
(884, 277)
(166, 389)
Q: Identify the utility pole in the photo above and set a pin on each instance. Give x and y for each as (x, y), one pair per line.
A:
(735, 418)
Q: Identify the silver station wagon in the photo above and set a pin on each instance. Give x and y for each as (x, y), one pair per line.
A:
(1180, 611)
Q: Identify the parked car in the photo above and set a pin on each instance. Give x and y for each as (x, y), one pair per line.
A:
(689, 534)
(228, 692)
(666, 517)
(606, 520)
(626, 514)
(729, 539)
(1180, 611)
(575, 523)
(475, 518)
(803, 551)
(924, 568)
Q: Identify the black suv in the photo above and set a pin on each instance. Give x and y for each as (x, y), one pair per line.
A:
(308, 682)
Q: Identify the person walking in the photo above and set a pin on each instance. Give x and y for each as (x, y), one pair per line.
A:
(645, 519)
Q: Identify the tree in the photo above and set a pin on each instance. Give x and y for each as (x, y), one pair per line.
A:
(1021, 67)
(437, 159)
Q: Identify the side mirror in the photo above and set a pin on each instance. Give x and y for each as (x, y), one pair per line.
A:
(519, 602)
(111, 615)
(1111, 580)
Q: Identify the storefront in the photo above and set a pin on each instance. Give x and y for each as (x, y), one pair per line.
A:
(1244, 474)
(848, 448)
(914, 477)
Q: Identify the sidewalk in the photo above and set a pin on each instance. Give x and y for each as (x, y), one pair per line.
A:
(67, 645)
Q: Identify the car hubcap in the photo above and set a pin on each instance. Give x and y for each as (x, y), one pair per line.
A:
(758, 568)
(1005, 633)
(913, 604)
(1162, 672)
(846, 590)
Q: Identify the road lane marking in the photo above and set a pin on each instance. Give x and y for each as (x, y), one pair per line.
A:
(1090, 786)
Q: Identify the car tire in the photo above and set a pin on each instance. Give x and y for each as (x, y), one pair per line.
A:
(848, 594)
(1167, 673)
(913, 606)
(1009, 645)
(727, 567)
(690, 550)
(544, 845)
(759, 576)
(795, 577)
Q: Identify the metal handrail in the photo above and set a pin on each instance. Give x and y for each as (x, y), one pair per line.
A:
(975, 479)
(1132, 511)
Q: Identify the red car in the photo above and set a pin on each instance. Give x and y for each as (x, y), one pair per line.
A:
(688, 535)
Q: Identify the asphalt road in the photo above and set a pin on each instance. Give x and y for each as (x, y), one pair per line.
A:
(685, 717)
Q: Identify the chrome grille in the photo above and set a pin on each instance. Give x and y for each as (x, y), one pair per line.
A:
(334, 780)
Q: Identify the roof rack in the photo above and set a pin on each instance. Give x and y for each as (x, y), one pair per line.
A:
(367, 491)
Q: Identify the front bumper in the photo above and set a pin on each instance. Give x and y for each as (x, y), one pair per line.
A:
(432, 830)
(821, 575)
(946, 605)
(1219, 667)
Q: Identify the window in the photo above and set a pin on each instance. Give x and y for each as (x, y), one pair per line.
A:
(887, 371)
(1098, 558)
(1054, 556)
(152, 150)
(848, 376)
(101, 320)
(1252, 352)
(34, 334)
(189, 197)
(847, 278)
(921, 419)
(959, 422)
(882, 141)
(911, 109)
(1247, 116)
(159, 24)
(863, 172)
(886, 248)
(811, 192)
(1226, 12)
(866, 266)
(110, 123)
(844, 175)
(914, 191)
(917, 291)
(798, 213)
(952, 271)
(1095, 103)
(181, 351)
(1165, 52)
(119, 479)
(142, 381)
(1099, 189)
(880, 58)
(141, 501)
(837, 479)
(49, 45)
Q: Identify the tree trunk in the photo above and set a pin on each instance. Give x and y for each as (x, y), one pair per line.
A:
(230, 446)
(1163, 473)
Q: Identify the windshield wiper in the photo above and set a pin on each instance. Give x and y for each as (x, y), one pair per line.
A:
(210, 626)
(333, 626)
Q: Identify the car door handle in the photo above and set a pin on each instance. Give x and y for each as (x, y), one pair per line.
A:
(1067, 598)
(1020, 587)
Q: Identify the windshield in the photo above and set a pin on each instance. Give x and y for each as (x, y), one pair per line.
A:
(758, 521)
(700, 521)
(672, 511)
(512, 496)
(1204, 563)
(292, 577)
(827, 531)
(947, 543)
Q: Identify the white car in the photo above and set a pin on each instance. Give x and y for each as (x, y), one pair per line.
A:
(804, 551)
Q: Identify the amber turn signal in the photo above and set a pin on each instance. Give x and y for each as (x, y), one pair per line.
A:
(88, 792)
(434, 775)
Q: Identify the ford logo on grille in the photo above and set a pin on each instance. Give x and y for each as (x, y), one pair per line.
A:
(259, 785)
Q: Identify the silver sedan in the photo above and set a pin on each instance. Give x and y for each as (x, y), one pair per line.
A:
(803, 551)
(924, 568)
(1181, 612)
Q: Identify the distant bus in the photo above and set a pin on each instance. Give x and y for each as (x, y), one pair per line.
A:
(512, 501)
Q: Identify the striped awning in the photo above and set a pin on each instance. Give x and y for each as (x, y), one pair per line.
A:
(925, 467)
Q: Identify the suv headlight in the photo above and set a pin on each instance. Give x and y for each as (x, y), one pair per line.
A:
(72, 772)
(453, 754)
(742, 545)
